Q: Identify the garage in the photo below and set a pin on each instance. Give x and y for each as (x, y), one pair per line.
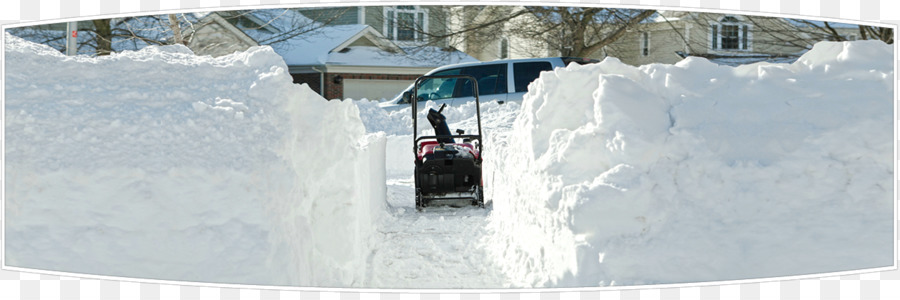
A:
(373, 89)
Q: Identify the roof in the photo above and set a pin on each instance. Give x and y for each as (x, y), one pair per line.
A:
(314, 48)
(743, 59)
(348, 45)
(420, 57)
(813, 23)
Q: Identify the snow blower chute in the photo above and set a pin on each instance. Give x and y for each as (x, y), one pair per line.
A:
(447, 172)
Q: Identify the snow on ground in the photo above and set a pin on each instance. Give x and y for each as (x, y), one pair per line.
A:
(609, 174)
(617, 175)
(162, 164)
(441, 247)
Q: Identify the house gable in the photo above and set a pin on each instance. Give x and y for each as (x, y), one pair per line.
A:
(215, 36)
(368, 37)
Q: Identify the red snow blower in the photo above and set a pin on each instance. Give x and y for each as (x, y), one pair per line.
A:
(448, 167)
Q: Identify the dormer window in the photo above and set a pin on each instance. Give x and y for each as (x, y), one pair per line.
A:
(730, 34)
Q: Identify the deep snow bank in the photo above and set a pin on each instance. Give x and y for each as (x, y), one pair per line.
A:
(162, 164)
(616, 175)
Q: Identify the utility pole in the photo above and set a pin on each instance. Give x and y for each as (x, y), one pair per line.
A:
(71, 38)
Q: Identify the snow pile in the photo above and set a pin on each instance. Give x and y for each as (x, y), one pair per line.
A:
(617, 175)
(162, 164)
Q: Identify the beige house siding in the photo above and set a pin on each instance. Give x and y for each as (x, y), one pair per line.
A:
(218, 38)
(375, 16)
(487, 47)
(691, 34)
(664, 45)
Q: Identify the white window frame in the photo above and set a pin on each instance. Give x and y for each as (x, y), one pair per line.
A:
(745, 34)
(643, 48)
(390, 28)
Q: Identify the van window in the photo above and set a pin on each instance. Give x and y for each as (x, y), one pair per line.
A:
(438, 88)
(526, 72)
(491, 80)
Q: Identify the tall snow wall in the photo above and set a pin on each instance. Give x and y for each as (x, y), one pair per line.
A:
(162, 164)
(621, 175)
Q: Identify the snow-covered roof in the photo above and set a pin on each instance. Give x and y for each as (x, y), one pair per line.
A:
(667, 16)
(349, 45)
(419, 57)
(746, 59)
(810, 23)
(314, 48)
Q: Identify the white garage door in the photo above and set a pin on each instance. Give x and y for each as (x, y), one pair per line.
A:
(373, 89)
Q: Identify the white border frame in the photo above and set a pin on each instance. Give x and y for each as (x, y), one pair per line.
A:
(766, 8)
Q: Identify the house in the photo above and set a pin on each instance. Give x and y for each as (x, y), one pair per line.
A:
(404, 25)
(498, 41)
(723, 38)
(668, 37)
(343, 58)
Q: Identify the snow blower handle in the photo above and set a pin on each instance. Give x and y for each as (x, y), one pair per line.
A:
(442, 107)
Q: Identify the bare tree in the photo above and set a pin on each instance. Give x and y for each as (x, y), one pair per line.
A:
(104, 36)
(579, 31)
(827, 31)
(176, 29)
(275, 26)
(569, 31)
(801, 34)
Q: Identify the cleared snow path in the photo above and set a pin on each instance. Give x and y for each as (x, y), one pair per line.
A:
(611, 175)
(441, 247)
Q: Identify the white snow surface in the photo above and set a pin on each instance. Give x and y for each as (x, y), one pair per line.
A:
(161, 164)
(617, 175)
(611, 175)
(165, 165)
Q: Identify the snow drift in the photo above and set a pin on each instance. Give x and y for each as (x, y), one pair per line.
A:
(620, 175)
(165, 165)
(161, 164)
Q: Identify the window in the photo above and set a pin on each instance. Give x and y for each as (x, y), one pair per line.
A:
(504, 48)
(729, 33)
(438, 88)
(406, 23)
(730, 37)
(645, 43)
(527, 72)
(491, 80)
